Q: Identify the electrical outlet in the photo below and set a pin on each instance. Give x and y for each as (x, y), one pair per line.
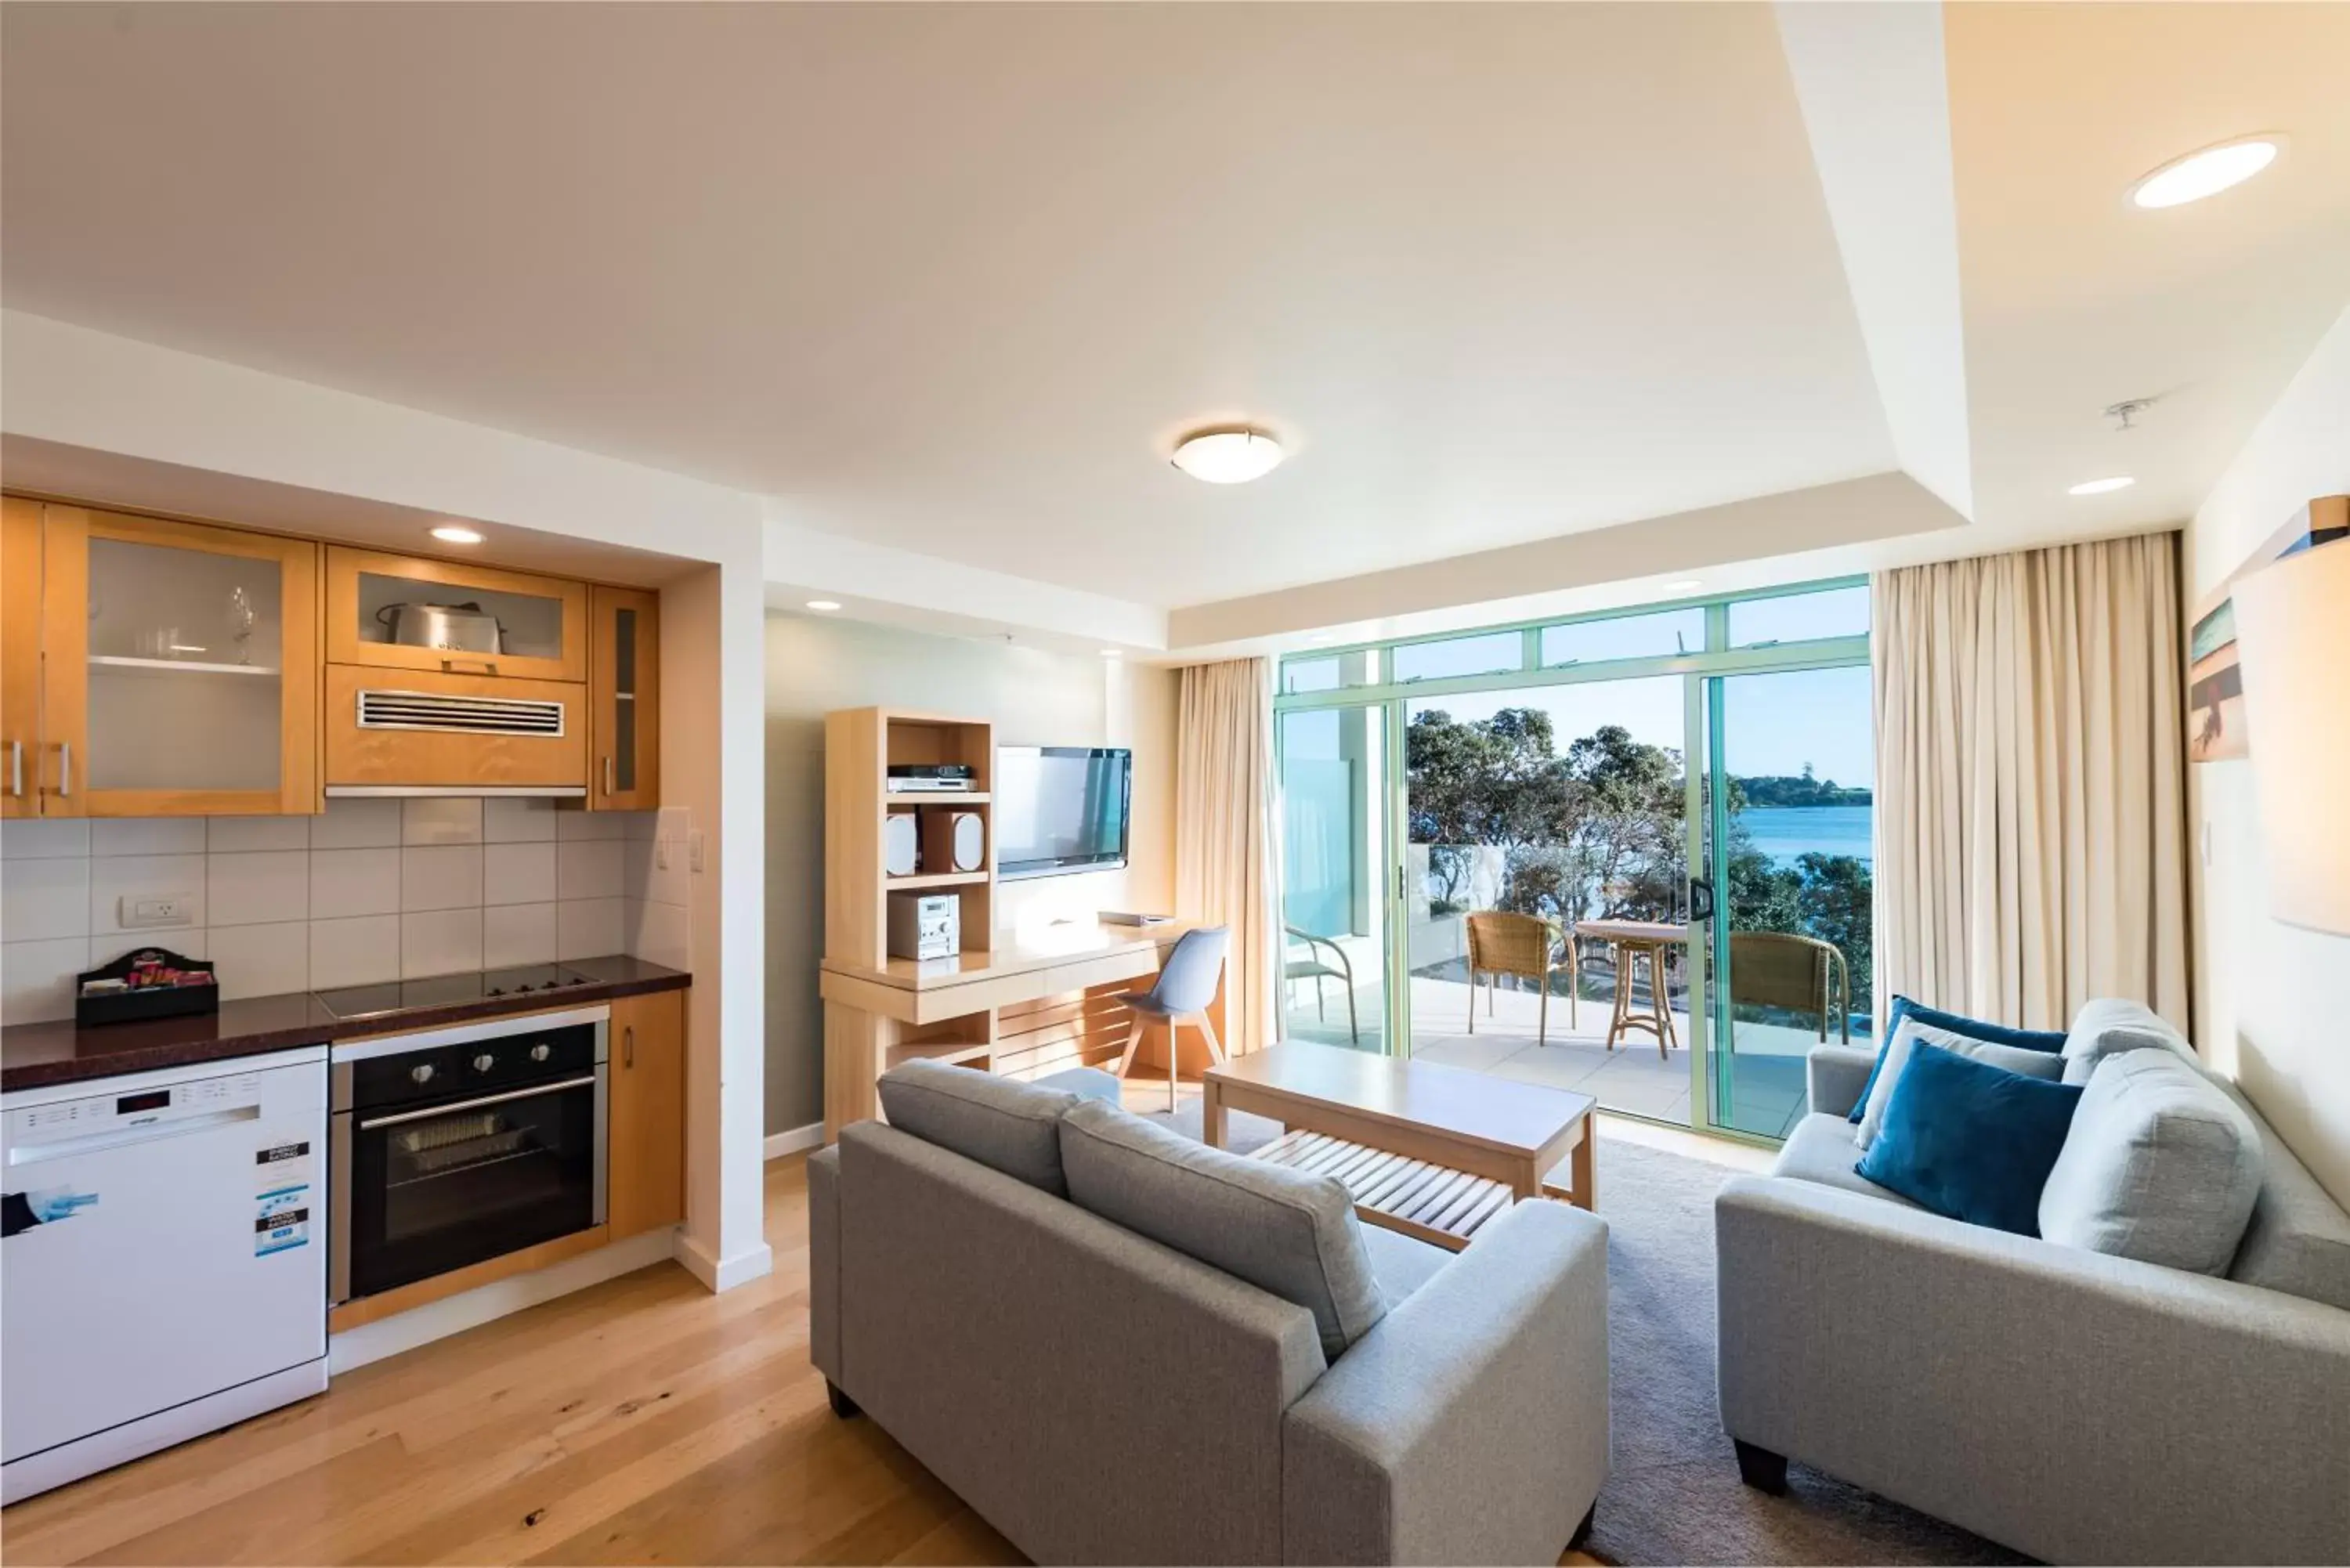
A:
(693, 850)
(661, 854)
(136, 913)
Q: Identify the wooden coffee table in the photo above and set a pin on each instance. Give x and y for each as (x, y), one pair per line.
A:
(1434, 1152)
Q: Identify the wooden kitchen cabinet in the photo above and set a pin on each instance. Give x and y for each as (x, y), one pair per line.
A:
(645, 1154)
(178, 667)
(20, 655)
(624, 700)
(541, 622)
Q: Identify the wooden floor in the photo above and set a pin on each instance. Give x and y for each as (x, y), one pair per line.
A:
(643, 1420)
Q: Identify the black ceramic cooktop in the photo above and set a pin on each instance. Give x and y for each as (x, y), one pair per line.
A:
(442, 990)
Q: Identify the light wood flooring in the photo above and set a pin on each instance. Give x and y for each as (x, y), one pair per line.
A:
(642, 1420)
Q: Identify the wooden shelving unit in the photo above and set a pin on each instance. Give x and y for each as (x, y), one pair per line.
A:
(861, 744)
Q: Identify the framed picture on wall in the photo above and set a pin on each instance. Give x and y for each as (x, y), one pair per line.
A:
(2215, 686)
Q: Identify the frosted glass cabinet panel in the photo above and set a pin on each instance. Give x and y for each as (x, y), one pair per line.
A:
(625, 761)
(179, 670)
(454, 618)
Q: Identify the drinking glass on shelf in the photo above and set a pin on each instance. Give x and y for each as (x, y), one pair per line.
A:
(240, 623)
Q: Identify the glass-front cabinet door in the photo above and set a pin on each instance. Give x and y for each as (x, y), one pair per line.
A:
(407, 613)
(179, 669)
(624, 700)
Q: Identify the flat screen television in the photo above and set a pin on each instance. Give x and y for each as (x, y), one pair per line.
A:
(1060, 809)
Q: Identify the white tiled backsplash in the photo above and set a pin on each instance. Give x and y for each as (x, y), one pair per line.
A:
(371, 890)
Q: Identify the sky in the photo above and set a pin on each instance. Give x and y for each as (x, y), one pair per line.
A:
(1773, 724)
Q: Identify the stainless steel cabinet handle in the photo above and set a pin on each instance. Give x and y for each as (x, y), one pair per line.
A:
(629, 1046)
(17, 768)
(65, 769)
(607, 775)
(579, 1083)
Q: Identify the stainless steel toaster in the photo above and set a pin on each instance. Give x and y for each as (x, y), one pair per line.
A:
(460, 629)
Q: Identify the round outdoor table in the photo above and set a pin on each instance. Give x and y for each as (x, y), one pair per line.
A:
(1631, 941)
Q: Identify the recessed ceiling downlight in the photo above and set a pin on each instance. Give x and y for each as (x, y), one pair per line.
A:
(450, 534)
(1230, 456)
(2207, 172)
(825, 606)
(2102, 486)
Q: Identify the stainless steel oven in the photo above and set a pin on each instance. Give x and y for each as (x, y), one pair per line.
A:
(454, 1146)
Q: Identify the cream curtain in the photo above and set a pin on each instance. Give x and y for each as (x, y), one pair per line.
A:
(1224, 824)
(2030, 786)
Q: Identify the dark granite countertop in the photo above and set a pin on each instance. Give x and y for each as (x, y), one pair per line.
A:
(34, 1054)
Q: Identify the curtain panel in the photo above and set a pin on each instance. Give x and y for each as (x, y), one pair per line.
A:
(2030, 782)
(1223, 825)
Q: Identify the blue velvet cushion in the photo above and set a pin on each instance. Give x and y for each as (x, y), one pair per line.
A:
(1969, 1140)
(1956, 1023)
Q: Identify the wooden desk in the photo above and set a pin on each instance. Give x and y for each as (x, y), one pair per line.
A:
(1021, 1009)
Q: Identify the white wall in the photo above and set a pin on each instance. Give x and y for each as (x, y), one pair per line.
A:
(105, 394)
(2272, 1000)
(1033, 697)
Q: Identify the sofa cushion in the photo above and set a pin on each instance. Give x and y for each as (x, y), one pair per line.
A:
(1285, 1232)
(1820, 1149)
(2159, 1166)
(2298, 1240)
(1970, 1140)
(1956, 1023)
(1002, 1124)
(1913, 1032)
(2108, 1026)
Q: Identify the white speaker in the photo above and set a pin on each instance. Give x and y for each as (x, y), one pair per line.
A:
(969, 841)
(898, 841)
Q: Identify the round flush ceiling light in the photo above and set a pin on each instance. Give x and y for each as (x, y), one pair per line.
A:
(2102, 486)
(2207, 172)
(825, 606)
(450, 534)
(1230, 456)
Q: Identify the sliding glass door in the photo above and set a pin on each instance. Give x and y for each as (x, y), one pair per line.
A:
(1336, 822)
(1533, 812)
(1611, 854)
(1791, 856)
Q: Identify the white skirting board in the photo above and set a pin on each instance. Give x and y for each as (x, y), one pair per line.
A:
(454, 1314)
(791, 1140)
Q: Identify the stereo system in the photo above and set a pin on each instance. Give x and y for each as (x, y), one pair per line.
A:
(932, 841)
(933, 778)
(925, 926)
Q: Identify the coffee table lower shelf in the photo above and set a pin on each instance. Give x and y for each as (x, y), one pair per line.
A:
(1430, 1202)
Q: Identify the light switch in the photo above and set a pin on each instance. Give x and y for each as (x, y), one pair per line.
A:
(693, 850)
(661, 854)
(137, 913)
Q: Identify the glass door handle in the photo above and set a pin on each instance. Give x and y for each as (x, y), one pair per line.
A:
(1701, 900)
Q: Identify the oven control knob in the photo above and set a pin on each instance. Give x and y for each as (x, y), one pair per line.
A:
(484, 1062)
(421, 1073)
(541, 1051)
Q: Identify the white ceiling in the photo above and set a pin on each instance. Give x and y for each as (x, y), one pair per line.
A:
(950, 279)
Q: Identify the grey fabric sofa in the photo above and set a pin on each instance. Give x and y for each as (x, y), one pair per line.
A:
(2070, 1404)
(1098, 1396)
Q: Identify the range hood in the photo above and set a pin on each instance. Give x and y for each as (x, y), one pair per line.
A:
(418, 733)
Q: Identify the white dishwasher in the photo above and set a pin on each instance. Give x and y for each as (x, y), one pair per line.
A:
(163, 1271)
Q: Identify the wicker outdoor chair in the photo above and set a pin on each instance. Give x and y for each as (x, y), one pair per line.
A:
(1521, 945)
(1802, 974)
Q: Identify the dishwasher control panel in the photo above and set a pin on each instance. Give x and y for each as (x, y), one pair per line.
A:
(134, 1109)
